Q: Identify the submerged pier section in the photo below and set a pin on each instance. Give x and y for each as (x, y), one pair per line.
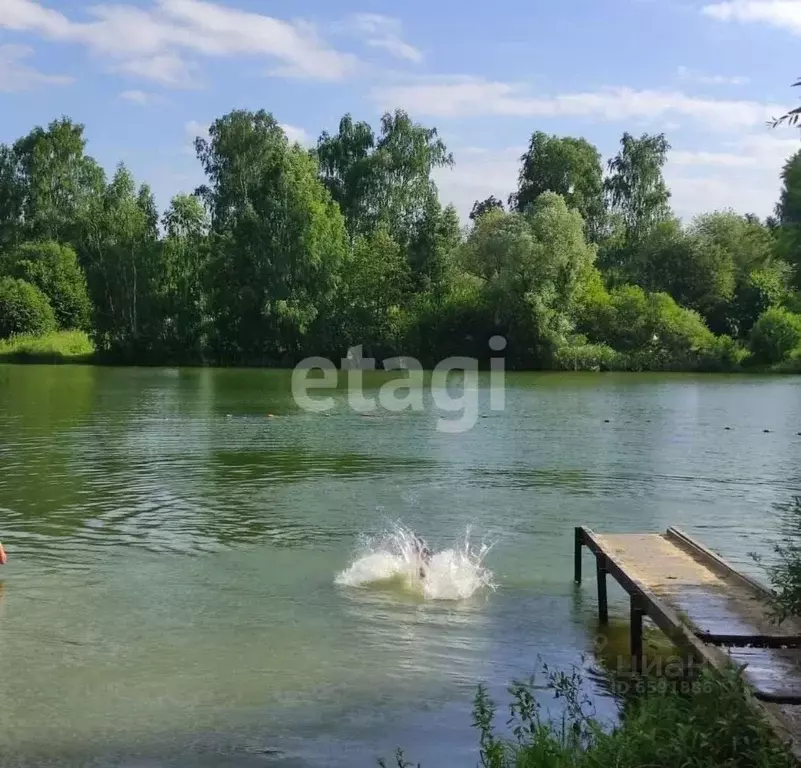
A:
(705, 606)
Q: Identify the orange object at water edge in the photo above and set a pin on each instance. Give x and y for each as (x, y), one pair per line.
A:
(3, 557)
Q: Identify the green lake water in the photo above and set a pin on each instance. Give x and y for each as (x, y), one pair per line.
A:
(170, 598)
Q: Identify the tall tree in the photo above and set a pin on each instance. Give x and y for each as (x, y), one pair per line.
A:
(370, 305)
(47, 183)
(788, 209)
(386, 179)
(788, 212)
(480, 207)
(11, 198)
(278, 239)
(407, 153)
(635, 186)
(119, 248)
(432, 247)
(349, 172)
(532, 266)
(568, 166)
(185, 253)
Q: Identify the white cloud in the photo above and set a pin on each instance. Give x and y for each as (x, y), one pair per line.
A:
(16, 76)
(785, 14)
(297, 135)
(751, 151)
(742, 192)
(195, 128)
(742, 174)
(141, 98)
(166, 69)
(689, 75)
(476, 174)
(720, 159)
(462, 97)
(151, 42)
(383, 32)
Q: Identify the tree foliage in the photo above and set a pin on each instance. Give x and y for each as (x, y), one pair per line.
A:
(532, 265)
(23, 309)
(635, 187)
(46, 183)
(788, 212)
(119, 248)
(776, 334)
(790, 117)
(54, 269)
(567, 166)
(285, 252)
(278, 239)
(480, 207)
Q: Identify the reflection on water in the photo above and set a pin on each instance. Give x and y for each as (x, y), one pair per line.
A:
(170, 595)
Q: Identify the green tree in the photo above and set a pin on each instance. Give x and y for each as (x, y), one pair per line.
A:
(788, 209)
(350, 173)
(432, 248)
(54, 269)
(569, 167)
(746, 248)
(386, 180)
(185, 255)
(697, 271)
(750, 243)
(788, 212)
(121, 255)
(46, 184)
(776, 334)
(755, 293)
(635, 186)
(480, 207)
(23, 309)
(532, 266)
(370, 306)
(278, 239)
(651, 328)
(407, 153)
(11, 198)
(459, 322)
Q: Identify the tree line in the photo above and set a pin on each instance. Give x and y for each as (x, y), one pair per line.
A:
(286, 252)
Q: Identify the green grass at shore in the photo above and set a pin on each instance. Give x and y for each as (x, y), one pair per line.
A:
(56, 347)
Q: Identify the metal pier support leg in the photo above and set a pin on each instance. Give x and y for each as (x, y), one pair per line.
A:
(577, 556)
(603, 609)
(636, 634)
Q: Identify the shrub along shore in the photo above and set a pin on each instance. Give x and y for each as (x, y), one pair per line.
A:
(287, 252)
(76, 347)
(707, 721)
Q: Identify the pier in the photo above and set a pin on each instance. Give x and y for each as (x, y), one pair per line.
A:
(706, 607)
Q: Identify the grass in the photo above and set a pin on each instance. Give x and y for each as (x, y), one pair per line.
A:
(56, 347)
(707, 722)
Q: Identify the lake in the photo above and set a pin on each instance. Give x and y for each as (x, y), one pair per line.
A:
(176, 536)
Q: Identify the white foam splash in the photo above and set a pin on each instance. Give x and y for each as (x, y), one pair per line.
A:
(393, 558)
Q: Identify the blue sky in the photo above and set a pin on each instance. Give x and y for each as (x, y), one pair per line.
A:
(145, 76)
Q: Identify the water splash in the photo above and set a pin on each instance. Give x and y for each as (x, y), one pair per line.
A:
(393, 559)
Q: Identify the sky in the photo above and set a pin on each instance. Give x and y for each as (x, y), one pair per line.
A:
(146, 76)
